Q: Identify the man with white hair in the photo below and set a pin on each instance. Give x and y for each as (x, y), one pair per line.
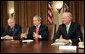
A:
(69, 30)
(12, 31)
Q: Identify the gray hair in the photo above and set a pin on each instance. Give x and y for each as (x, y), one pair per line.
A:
(69, 15)
(39, 18)
(11, 19)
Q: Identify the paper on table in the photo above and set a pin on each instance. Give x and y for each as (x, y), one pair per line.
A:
(67, 47)
(58, 44)
(27, 40)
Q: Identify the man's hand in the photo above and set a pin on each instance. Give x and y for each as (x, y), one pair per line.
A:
(7, 37)
(36, 36)
(23, 35)
(63, 41)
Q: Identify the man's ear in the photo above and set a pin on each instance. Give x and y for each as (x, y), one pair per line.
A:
(39, 21)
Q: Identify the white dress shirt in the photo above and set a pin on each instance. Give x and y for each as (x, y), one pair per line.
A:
(38, 30)
(69, 27)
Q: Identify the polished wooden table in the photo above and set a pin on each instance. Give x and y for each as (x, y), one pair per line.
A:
(16, 46)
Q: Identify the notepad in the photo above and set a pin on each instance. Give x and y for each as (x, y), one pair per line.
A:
(59, 44)
(67, 48)
(27, 40)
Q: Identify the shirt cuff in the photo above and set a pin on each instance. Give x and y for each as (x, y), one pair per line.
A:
(56, 40)
(25, 37)
(40, 37)
(2, 37)
(70, 41)
(11, 37)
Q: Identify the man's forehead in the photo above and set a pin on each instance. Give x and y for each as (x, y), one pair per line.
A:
(67, 13)
(35, 18)
(10, 20)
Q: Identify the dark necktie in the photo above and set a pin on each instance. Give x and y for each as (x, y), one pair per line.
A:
(12, 29)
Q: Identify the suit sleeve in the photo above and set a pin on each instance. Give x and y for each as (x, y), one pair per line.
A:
(17, 36)
(78, 34)
(30, 34)
(45, 33)
(5, 32)
(57, 35)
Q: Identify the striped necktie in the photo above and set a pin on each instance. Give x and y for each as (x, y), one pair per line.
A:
(37, 33)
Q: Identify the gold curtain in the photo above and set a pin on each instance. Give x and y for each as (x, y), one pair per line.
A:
(77, 10)
(25, 10)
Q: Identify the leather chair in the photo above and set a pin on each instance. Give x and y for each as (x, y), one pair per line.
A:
(25, 29)
(82, 30)
(51, 30)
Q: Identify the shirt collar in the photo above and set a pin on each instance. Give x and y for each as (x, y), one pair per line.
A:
(68, 24)
(39, 25)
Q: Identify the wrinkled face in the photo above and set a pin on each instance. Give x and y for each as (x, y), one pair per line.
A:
(65, 19)
(36, 22)
(11, 23)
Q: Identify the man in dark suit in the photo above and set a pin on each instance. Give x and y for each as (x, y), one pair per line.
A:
(69, 30)
(42, 30)
(12, 31)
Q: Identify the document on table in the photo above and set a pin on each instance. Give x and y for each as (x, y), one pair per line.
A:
(59, 44)
(27, 40)
(68, 48)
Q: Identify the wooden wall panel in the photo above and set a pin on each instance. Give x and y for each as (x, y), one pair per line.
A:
(77, 10)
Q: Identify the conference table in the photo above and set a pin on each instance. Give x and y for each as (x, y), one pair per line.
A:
(17, 46)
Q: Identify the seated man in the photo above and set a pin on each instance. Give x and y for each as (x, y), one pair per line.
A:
(12, 31)
(69, 30)
(39, 30)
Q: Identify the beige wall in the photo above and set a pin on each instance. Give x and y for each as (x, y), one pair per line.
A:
(57, 17)
(10, 6)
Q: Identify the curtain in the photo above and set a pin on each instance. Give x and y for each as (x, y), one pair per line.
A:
(77, 10)
(4, 15)
(26, 10)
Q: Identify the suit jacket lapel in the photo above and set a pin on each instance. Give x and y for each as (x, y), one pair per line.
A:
(39, 28)
(65, 30)
(10, 30)
(34, 29)
(15, 30)
(70, 29)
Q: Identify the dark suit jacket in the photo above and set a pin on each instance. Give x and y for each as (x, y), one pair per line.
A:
(15, 33)
(74, 32)
(43, 31)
